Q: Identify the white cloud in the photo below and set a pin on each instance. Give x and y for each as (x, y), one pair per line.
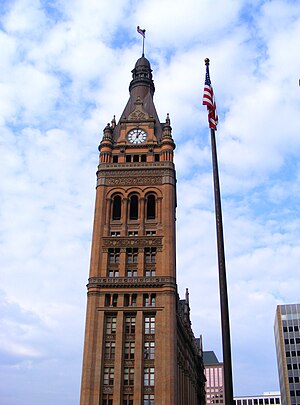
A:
(65, 70)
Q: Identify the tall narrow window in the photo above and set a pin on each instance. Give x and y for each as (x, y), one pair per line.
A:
(111, 322)
(110, 348)
(149, 350)
(114, 255)
(134, 207)
(107, 399)
(108, 377)
(150, 255)
(129, 350)
(149, 376)
(131, 255)
(151, 206)
(128, 376)
(116, 211)
(130, 324)
(148, 399)
(149, 325)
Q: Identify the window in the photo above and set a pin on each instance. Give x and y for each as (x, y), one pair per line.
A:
(117, 233)
(135, 158)
(131, 273)
(128, 158)
(149, 376)
(134, 207)
(149, 350)
(113, 273)
(128, 400)
(111, 300)
(115, 159)
(114, 300)
(114, 255)
(132, 255)
(129, 350)
(151, 206)
(292, 341)
(111, 322)
(156, 157)
(149, 300)
(285, 329)
(107, 400)
(150, 255)
(143, 158)
(133, 233)
(149, 324)
(150, 273)
(129, 300)
(150, 233)
(116, 211)
(146, 300)
(133, 300)
(277, 400)
(107, 302)
(130, 324)
(128, 376)
(148, 399)
(108, 378)
(110, 348)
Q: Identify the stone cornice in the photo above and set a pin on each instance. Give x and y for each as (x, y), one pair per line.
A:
(131, 282)
(132, 242)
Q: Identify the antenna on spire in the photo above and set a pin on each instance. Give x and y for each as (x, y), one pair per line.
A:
(142, 32)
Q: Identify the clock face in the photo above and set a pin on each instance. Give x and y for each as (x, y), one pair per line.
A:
(136, 136)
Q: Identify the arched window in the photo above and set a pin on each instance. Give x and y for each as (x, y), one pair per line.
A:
(134, 207)
(116, 211)
(151, 206)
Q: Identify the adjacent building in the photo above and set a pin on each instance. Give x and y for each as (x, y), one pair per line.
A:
(287, 340)
(214, 373)
(268, 398)
(139, 345)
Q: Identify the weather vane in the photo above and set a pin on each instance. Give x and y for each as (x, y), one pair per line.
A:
(142, 32)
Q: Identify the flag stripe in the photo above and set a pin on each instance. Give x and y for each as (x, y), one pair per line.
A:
(140, 31)
(209, 101)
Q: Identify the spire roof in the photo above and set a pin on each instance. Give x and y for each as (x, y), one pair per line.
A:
(141, 89)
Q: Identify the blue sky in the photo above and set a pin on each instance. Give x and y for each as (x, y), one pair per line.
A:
(65, 68)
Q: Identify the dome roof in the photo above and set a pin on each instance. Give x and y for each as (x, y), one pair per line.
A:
(142, 62)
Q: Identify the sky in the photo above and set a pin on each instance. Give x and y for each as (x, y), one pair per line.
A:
(65, 68)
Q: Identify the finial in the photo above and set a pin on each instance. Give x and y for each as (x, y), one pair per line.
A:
(113, 122)
(206, 60)
(168, 121)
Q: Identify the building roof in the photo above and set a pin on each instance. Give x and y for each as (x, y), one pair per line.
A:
(209, 358)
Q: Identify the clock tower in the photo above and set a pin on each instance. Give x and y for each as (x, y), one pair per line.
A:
(139, 347)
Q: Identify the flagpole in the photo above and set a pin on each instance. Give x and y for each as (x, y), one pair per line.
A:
(227, 363)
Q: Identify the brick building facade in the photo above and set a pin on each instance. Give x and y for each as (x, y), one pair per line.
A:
(139, 346)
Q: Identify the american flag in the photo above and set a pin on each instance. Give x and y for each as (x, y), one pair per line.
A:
(140, 31)
(209, 101)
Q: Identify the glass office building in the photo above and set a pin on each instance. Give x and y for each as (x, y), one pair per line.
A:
(287, 340)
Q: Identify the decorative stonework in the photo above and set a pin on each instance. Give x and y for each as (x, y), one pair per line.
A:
(138, 115)
(125, 282)
(132, 242)
(108, 389)
(134, 181)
